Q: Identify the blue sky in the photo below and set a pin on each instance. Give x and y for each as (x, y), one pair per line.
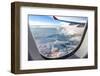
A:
(49, 20)
(42, 20)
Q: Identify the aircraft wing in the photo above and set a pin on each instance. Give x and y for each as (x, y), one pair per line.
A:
(72, 19)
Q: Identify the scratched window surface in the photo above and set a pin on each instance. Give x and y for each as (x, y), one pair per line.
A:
(56, 37)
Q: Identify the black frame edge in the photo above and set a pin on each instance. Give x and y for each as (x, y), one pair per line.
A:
(96, 38)
(13, 37)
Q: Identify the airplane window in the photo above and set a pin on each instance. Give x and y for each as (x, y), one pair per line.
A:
(57, 37)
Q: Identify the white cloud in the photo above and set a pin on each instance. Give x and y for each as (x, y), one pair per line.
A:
(37, 23)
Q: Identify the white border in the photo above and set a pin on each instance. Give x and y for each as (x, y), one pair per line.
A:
(25, 64)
